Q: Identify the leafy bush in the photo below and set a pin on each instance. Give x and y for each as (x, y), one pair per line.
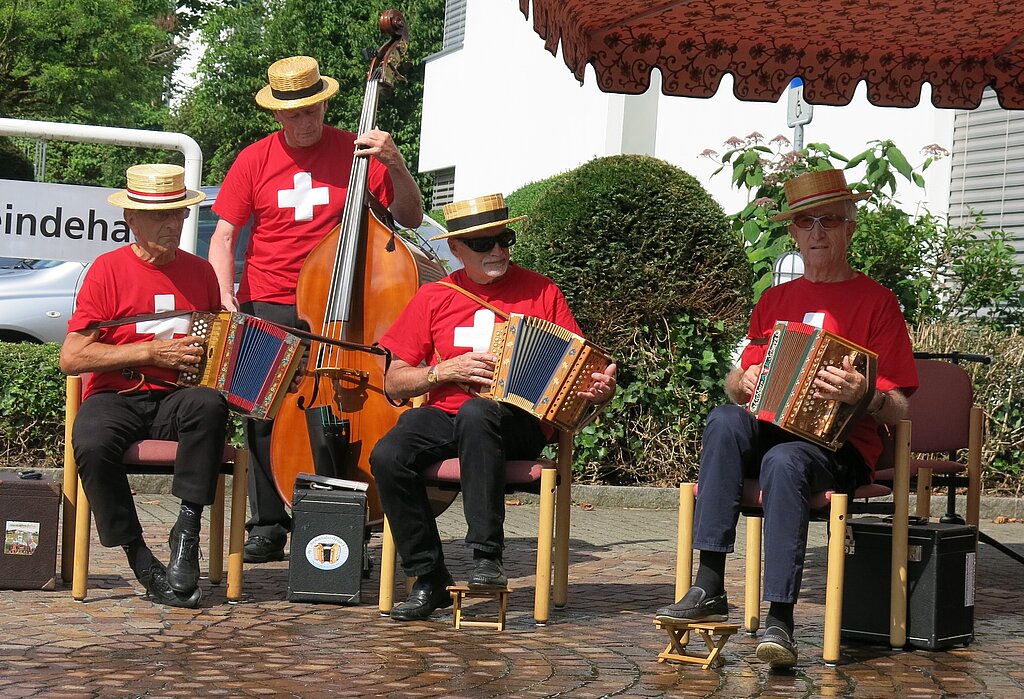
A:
(652, 272)
(999, 390)
(31, 405)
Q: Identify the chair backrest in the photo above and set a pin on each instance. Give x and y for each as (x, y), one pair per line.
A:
(940, 409)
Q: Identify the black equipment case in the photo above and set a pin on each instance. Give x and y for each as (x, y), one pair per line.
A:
(328, 540)
(29, 510)
(941, 573)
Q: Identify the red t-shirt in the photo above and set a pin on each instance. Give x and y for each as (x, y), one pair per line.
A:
(440, 323)
(860, 310)
(295, 196)
(120, 285)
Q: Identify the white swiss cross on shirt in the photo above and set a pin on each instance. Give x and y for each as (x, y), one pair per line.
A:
(303, 197)
(478, 336)
(163, 328)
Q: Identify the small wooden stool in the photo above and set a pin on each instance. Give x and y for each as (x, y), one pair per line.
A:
(676, 648)
(460, 593)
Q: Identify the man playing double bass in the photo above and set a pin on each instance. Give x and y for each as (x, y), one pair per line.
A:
(293, 184)
(440, 345)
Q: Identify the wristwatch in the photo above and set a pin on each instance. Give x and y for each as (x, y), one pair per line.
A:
(432, 375)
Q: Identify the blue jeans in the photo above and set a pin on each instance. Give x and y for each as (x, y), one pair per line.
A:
(737, 446)
(483, 435)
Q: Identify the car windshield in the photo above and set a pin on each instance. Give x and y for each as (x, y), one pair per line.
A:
(19, 263)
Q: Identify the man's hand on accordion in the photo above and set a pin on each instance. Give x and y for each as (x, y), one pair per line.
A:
(846, 385)
(474, 368)
(180, 353)
(603, 388)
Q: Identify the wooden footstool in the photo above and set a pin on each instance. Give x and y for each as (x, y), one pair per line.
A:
(714, 633)
(460, 593)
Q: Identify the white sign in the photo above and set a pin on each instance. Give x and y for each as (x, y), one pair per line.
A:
(58, 221)
(799, 112)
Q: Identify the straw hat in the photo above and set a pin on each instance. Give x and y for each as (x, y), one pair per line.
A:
(295, 82)
(463, 217)
(156, 186)
(814, 189)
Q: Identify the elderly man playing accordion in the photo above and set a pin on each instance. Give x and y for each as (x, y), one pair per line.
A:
(441, 346)
(134, 363)
(736, 445)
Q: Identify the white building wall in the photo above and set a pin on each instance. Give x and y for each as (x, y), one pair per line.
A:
(504, 112)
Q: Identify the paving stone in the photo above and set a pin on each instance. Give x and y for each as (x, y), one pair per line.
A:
(118, 644)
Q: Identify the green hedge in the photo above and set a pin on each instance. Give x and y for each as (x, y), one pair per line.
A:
(653, 273)
(31, 405)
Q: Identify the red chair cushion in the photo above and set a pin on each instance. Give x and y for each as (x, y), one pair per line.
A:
(751, 497)
(156, 452)
(516, 472)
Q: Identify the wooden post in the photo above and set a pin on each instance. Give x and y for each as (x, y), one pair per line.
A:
(72, 399)
(386, 596)
(900, 533)
(834, 578)
(752, 584)
(216, 572)
(545, 526)
(236, 532)
(974, 466)
(684, 540)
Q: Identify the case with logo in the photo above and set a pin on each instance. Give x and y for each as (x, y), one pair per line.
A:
(328, 540)
(28, 516)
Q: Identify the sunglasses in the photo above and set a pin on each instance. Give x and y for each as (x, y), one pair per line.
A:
(505, 240)
(828, 222)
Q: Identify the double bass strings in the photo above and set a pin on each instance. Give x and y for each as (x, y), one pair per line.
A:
(336, 312)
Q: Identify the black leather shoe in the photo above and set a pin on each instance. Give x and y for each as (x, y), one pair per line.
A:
(488, 574)
(695, 605)
(777, 648)
(159, 591)
(183, 570)
(260, 549)
(429, 593)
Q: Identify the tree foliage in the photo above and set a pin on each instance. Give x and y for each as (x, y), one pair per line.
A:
(102, 62)
(244, 38)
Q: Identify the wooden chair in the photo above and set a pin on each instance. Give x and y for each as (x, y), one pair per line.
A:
(555, 479)
(834, 508)
(945, 421)
(149, 456)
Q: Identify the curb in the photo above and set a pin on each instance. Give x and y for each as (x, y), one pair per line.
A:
(610, 496)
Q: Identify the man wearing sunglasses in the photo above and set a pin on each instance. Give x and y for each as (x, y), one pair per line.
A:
(831, 295)
(441, 348)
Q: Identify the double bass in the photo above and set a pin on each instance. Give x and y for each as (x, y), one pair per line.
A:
(351, 288)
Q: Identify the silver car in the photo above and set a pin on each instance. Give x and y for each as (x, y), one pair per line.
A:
(38, 296)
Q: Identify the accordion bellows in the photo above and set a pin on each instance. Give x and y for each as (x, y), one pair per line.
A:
(249, 361)
(540, 368)
(784, 393)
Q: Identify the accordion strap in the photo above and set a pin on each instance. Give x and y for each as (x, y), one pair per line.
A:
(298, 332)
(470, 294)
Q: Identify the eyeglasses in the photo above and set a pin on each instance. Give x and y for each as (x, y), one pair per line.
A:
(828, 222)
(506, 240)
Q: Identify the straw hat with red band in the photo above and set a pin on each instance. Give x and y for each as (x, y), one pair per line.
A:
(154, 187)
(472, 215)
(295, 82)
(812, 189)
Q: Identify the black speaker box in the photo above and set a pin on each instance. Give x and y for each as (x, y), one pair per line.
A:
(328, 541)
(28, 514)
(941, 573)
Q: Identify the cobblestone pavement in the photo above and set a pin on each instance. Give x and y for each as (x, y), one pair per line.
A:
(117, 644)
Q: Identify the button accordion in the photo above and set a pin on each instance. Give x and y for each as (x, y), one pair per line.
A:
(250, 361)
(784, 392)
(540, 368)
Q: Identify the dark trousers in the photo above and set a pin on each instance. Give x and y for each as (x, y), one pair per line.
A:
(484, 434)
(737, 446)
(108, 423)
(269, 516)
